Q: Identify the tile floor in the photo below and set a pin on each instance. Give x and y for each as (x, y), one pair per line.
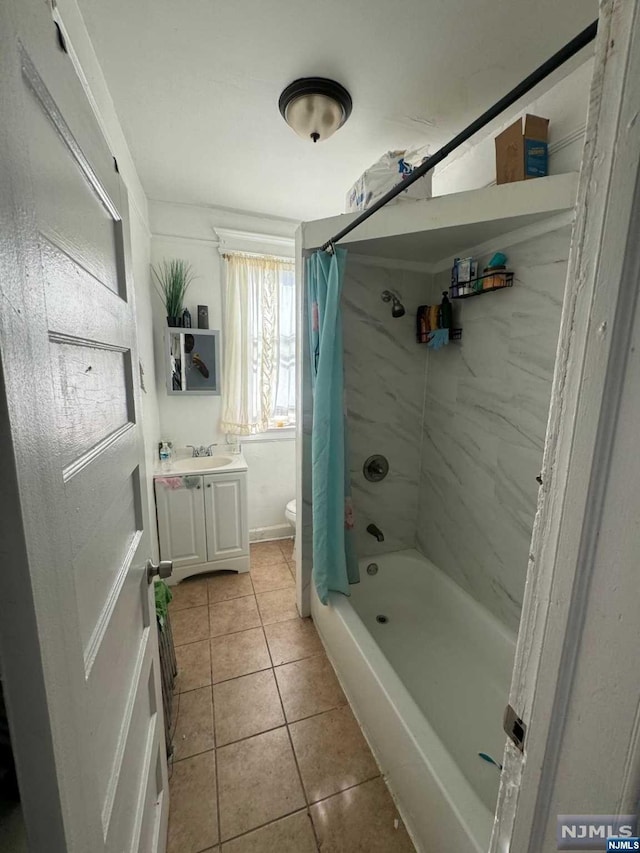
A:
(268, 756)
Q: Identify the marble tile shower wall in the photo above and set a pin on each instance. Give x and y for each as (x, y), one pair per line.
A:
(485, 417)
(384, 383)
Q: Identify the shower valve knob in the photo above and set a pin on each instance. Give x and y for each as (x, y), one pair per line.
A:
(375, 468)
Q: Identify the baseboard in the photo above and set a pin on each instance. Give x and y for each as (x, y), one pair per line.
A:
(277, 531)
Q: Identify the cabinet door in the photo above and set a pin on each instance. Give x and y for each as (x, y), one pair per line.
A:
(226, 514)
(181, 529)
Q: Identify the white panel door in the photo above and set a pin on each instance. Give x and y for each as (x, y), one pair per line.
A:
(77, 633)
(226, 514)
(181, 530)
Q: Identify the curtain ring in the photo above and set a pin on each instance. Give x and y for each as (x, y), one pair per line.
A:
(331, 249)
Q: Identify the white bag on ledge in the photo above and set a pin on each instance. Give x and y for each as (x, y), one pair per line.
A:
(389, 170)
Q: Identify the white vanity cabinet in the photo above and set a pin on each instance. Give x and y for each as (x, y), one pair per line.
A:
(225, 501)
(181, 526)
(202, 518)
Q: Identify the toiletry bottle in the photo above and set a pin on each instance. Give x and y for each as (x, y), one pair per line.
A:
(445, 312)
(165, 456)
(455, 291)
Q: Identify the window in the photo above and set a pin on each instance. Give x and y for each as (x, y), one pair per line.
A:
(259, 340)
(283, 412)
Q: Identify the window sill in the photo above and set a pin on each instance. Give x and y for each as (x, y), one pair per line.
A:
(277, 434)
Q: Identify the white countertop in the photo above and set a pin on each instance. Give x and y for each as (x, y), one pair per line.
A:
(219, 463)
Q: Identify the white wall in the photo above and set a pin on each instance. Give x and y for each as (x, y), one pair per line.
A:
(141, 255)
(473, 165)
(272, 484)
(485, 415)
(90, 73)
(187, 420)
(189, 232)
(384, 376)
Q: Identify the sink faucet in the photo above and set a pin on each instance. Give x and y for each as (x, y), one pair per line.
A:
(202, 450)
(375, 531)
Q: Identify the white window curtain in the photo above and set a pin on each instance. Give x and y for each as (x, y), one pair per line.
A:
(259, 344)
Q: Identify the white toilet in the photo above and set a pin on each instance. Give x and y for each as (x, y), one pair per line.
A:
(290, 512)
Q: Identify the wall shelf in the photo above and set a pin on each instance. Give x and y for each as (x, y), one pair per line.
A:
(458, 291)
(436, 230)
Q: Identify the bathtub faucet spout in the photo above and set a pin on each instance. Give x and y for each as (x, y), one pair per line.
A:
(375, 531)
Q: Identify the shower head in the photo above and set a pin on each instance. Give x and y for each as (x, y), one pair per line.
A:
(397, 308)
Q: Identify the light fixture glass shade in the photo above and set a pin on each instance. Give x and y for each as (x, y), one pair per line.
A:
(315, 107)
(314, 117)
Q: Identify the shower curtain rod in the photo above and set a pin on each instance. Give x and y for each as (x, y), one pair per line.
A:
(570, 49)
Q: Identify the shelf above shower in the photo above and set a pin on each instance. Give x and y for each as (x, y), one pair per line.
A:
(435, 230)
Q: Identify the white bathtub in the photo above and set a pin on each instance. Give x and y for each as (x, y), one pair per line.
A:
(429, 689)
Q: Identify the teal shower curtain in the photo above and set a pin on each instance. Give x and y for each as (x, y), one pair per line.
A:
(334, 560)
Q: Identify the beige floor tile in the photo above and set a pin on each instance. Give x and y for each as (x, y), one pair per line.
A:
(265, 553)
(286, 546)
(258, 782)
(292, 640)
(238, 654)
(191, 592)
(238, 614)
(332, 753)
(360, 820)
(226, 585)
(309, 687)
(292, 569)
(190, 625)
(246, 706)
(194, 666)
(194, 724)
(293, 834)
(193, 822)
(279, 605)
(273, 576)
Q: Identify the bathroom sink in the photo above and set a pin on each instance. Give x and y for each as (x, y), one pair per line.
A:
(183, 466)
(204, 463)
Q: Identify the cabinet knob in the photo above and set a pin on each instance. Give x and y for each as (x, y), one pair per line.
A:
(197, 487)
(208, 485)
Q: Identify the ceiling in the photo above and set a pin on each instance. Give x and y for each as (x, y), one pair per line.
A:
(196, 85)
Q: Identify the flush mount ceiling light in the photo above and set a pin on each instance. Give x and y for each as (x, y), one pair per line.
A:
(315, 107)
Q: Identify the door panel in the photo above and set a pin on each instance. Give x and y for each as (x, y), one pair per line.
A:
(67, 284)
(109, 698)
(128, 776)
(150, 827)
(87, 721)
(105, 558)
(89, 492)
(181, 529)
(90, 386)
(227, 526)
(86, 225)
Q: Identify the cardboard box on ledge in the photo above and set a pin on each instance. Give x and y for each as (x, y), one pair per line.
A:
(521, 156)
